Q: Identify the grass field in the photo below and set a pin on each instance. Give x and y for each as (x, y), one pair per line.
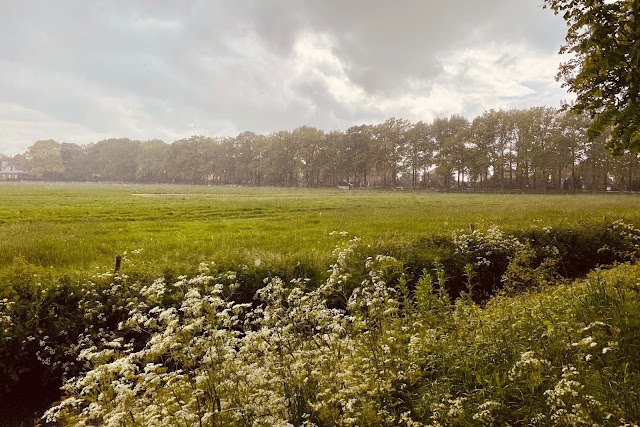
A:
(53, 305)
(77, 227)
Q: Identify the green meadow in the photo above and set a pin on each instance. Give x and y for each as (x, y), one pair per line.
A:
(78, 227)
(493, 313)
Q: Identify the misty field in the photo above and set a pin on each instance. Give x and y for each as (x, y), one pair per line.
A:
(72, 227)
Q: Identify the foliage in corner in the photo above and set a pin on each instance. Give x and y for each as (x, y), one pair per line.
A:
(604, 71)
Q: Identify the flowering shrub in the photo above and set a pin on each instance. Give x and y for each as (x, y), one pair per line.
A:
(625, 241)
(486, 248)
(499, 259)
(187, 354)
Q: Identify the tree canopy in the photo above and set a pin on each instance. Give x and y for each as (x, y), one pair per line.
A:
(44, 159)
(538, 148)
(604, 71)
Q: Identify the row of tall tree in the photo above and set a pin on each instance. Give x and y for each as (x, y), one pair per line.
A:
(537, 148)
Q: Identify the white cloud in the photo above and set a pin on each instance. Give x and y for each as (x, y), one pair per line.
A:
(472, 80)
(314, 58)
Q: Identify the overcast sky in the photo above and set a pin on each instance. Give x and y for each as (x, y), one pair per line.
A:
(81, 71)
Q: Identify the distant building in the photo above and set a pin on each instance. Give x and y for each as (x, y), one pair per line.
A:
(431, 179)
(11, 170)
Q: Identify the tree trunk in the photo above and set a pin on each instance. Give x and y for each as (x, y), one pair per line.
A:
(510, 174)
(631, 158)
(560, 178)
(573, 167)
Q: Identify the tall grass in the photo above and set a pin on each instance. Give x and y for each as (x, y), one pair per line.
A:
(71, 227)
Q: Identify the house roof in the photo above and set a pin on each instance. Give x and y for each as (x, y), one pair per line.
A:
(12, 166)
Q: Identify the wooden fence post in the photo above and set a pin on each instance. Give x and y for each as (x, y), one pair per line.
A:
(116, 268)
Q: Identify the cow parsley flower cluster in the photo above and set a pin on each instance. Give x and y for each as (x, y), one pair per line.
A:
(486, 247)
(530, 370)
(389, 348)
(210, 360)
(567, 403)
(625, 243)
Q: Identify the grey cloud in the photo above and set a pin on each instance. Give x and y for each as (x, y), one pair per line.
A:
(386, 42)
(162, 69)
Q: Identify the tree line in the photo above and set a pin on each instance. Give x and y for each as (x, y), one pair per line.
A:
(538, 148)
